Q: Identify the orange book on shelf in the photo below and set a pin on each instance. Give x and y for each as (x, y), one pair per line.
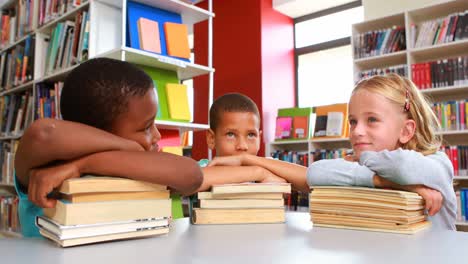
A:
(300, 127)
(148, 33)
(325, 109)
(177, 40)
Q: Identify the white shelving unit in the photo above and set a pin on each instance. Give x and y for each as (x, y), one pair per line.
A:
(107, 38)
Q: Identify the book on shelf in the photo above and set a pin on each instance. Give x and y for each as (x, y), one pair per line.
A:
(451, 114)
(148, 32)
(462, 204)
(441, 30)
(368, 209)
(137, 11)
(9, 220)
(243, 203)
(401, 70)
(294, 123)
(283, 127)
(97, 209)
(338, 127)
(379, 42)
(178, 102)
(177, 40)
(441, 73)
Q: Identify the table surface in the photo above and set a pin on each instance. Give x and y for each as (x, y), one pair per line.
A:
(296, 241)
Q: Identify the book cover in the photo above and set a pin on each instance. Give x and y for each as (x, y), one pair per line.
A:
(177, 40)
(160, 78)
(177, 102)
(301, 126)
(283, 127)
(148, 32)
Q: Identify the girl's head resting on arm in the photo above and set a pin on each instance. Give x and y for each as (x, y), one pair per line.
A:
(389, 112)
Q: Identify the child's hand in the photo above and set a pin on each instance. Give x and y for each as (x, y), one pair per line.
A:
(42, 181)
(226, 161)
(432, 197)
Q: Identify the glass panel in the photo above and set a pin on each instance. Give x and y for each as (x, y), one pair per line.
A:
(329, 27)
(325, 77)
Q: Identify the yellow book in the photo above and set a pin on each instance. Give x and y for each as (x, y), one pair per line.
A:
(177, 100)
(174, 150)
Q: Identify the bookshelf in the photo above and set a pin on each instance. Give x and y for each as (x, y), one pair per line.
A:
(425, 49)
(103, 25)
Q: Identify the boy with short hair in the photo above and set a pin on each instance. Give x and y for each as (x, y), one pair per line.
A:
(110, 107)
(234, 130)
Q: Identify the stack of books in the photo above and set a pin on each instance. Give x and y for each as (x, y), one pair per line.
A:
(97, 209)
(367, 209)
(244, 203)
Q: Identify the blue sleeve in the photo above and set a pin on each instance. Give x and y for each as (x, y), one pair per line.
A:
(27, 212)
(339, 172)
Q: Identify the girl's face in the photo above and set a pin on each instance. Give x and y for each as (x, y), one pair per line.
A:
(376, 123)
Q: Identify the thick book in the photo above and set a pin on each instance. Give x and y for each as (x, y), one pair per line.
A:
(209, 195)
(92, 184)
(367, 209)
(103, 212)
(63, 232)
(238, 216)
(241, 203)
(115, 196)
(103, 238)
(251, 188)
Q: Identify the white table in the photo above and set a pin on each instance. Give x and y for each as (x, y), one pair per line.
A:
(293, 242)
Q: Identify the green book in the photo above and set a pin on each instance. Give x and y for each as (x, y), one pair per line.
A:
(160, 78)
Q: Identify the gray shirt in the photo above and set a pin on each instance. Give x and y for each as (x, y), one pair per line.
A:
(404, 167)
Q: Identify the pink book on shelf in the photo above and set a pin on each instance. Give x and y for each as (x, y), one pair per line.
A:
(148, 33)
(283, 127)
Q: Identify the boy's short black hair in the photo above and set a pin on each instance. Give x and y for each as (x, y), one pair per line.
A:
(97, 91)
(231, 102)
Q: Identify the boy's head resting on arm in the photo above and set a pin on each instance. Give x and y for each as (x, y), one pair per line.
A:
(389, 112)
(114, 96)
(234, 125)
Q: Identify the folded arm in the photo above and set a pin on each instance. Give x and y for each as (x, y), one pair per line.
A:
(408, 167)
(235, 174)
(48, 140)
(179, 173)
(292, 173)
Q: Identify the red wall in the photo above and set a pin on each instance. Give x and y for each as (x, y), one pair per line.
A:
(252, 54)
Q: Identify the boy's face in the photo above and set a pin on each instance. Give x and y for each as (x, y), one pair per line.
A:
(137, 123)
(376, 123)
(237, 133)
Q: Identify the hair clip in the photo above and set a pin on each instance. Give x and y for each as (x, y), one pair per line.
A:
(407, 102)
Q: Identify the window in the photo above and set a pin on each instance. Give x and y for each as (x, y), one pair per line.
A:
(324, 55)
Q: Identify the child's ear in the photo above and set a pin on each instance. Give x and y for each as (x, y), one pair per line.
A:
(408, 130)
(210, 139)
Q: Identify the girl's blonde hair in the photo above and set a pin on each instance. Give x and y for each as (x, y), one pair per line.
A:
(402, 92)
